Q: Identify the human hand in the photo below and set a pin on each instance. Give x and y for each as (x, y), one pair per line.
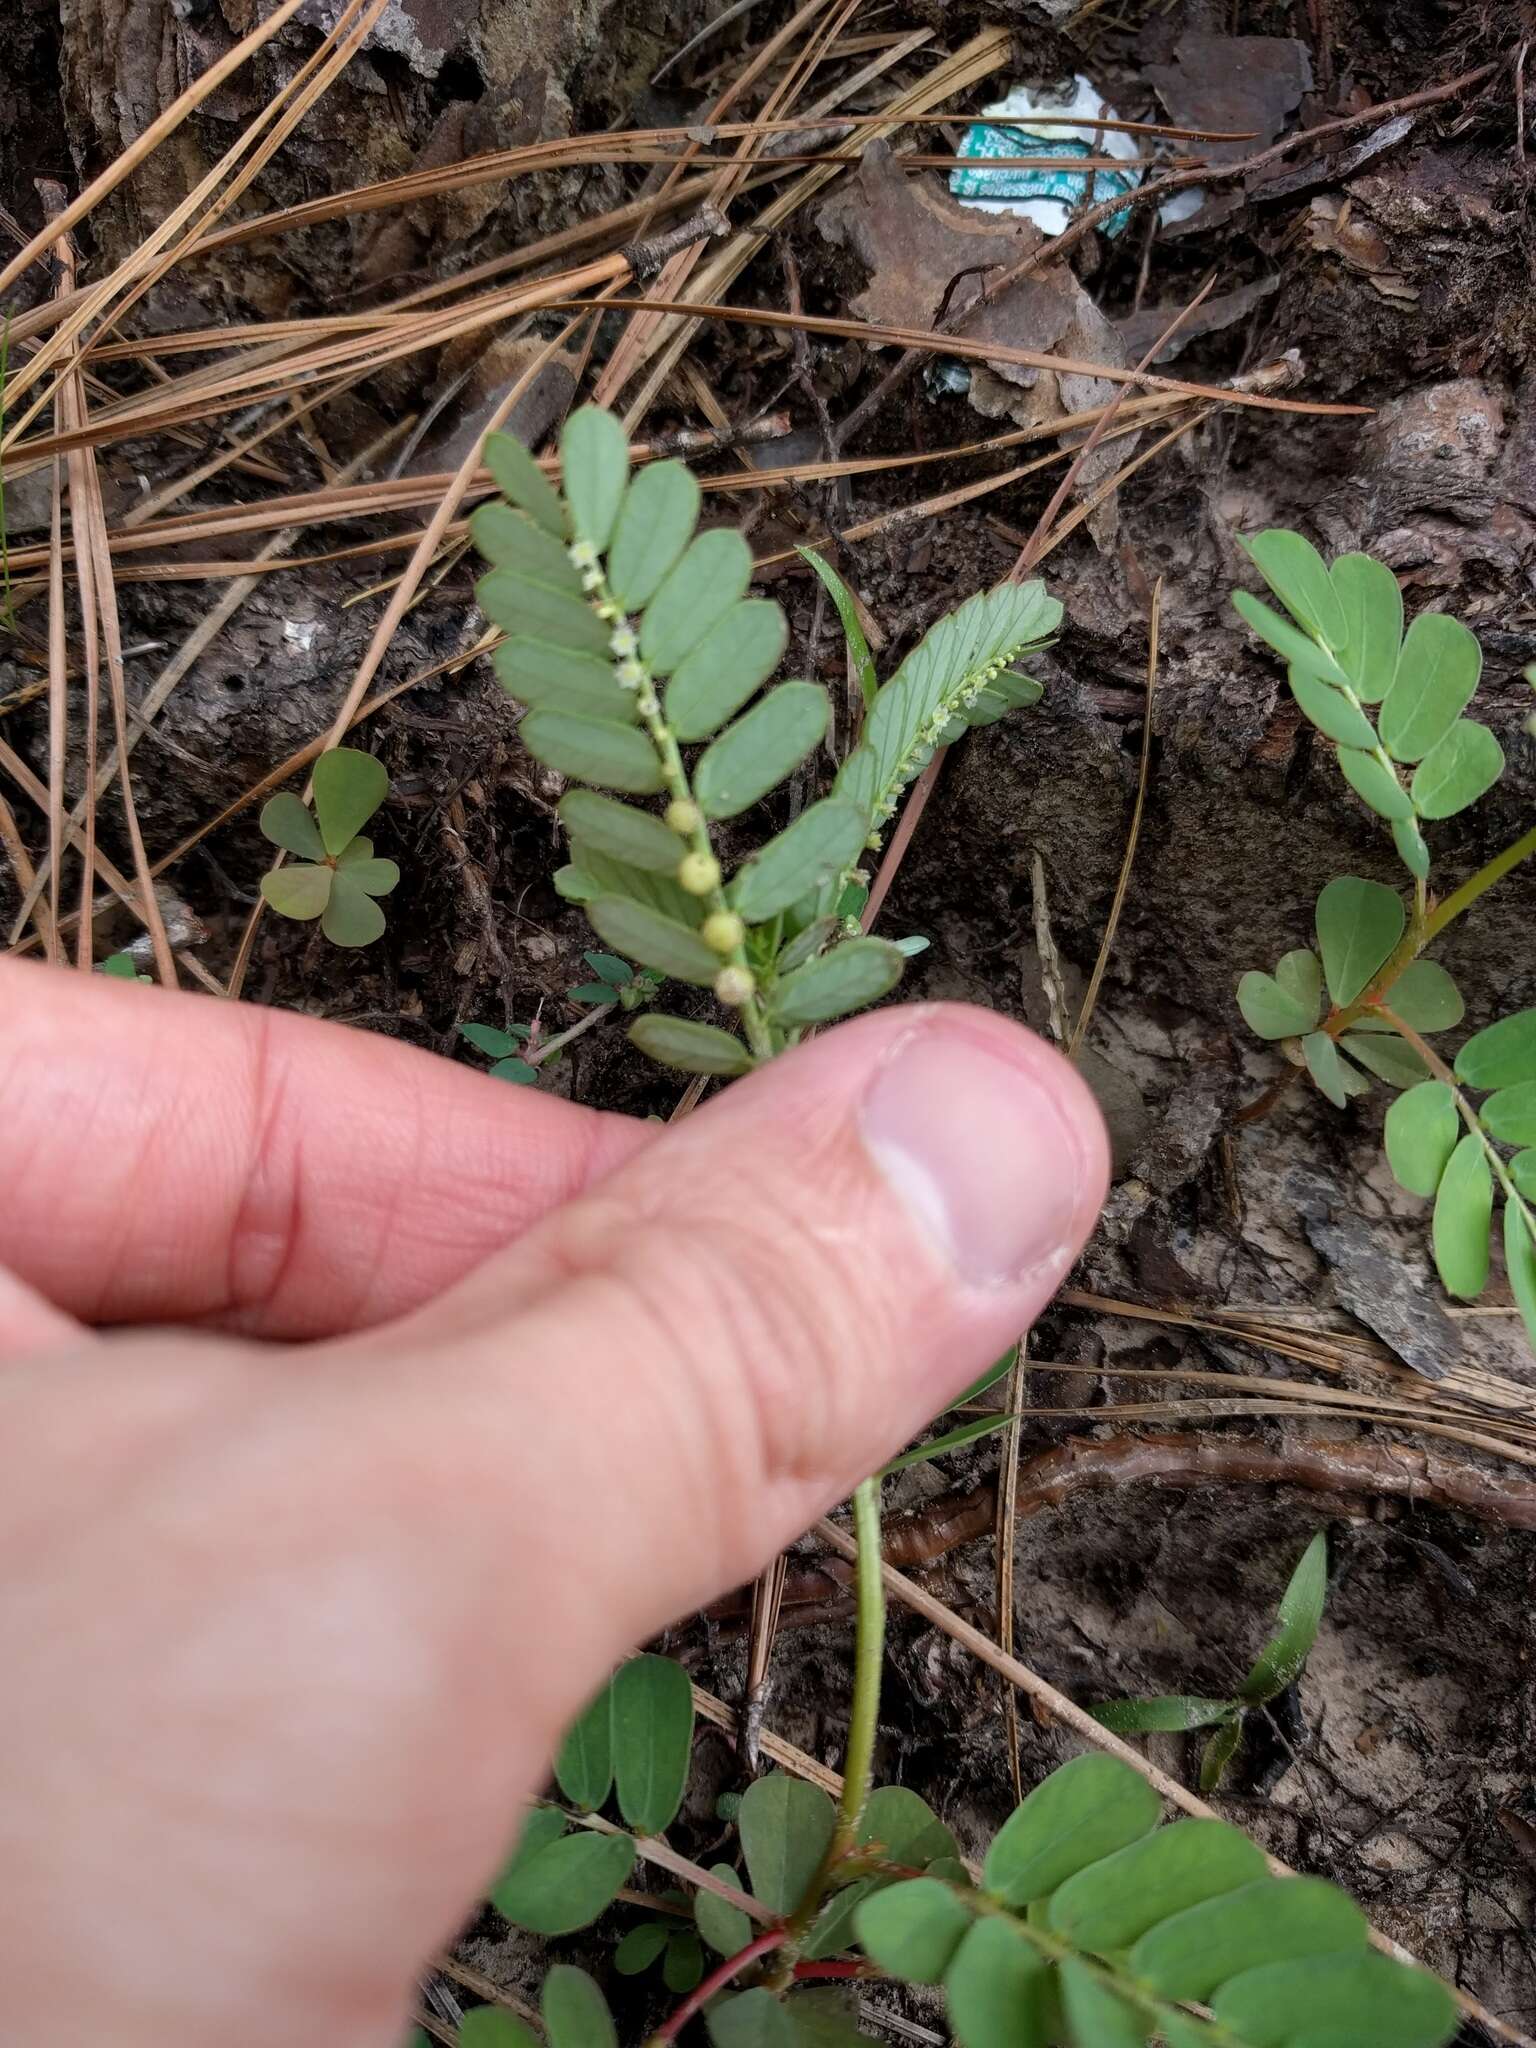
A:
(428, 1398)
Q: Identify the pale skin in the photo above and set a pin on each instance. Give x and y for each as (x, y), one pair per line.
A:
(357, 1412)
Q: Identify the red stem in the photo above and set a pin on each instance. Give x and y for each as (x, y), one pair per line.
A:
(804, 1972)
(761, 1945)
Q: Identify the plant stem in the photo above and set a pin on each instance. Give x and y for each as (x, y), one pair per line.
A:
(868, 1656)
(1477, 885)
(732, 1967)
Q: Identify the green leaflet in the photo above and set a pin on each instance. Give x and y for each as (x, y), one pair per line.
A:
(691, 1048)
(584, 1762)
(1412, 850)
(540, 674)
(848, 613)
(301, 893)
(913, 1929)
(1288, 641)
(539, 611)
(1297, 1621)
(509, 540)
(1358, 924)
(595, 873)
(823, 841)
(492, 2026)
(1502, 1054)
(652, 1740)
(724, 1926)
(1095, 2017)
(1165, 1713)
(853, 974)
(1390, 1058)
(518, 477)
(1188, 1955)
(1371, 779)
(349, 787)
(752, 2019)
(1333, 1074)
(1269, 1010)
(646, 935)
(832, 1930)
(1511, 1114)
(541, 1826)
(1300, 974)
(574, 2011)
(997, 1989)
(1520, 1264)
(1112, 1903)
(1421, 1136)
(1365, 2001)
(904, 1828)
(1296, 573)
(1424, 996)
(1522, 1171)
(785, 1825)
(1331, 711)
(289, 823)
(762, 749)
(655, 524)
(825, 2019)
(683, 1965)
(1219, 1752)
(1437, 673)
(640, 1948)
(1457, 770)
(1373, 616)
(695, 595)
(620, 830)
(566, 1884)
(1464, 1219)
(1088, 1809)
(594, 468)
(740, 652)
(595, 750)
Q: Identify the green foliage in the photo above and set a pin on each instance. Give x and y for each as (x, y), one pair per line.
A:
(652, 1740)
(491, 2026)
(1279, 1664)
(848, 615)
(123, 967)
(337, 875)
(630, 637)
(564, 1884)
(952, 1440)
(505, 1050)
(785, 1828)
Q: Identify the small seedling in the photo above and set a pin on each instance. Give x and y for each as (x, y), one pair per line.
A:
(337, 874)
(1366, 1002)
(1279, 1665)
(617, 982)
(503, 1048)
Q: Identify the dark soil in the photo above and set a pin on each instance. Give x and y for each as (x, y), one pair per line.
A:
(1403, 284)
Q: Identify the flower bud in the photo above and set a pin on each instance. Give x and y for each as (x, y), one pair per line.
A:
(682, 817)
(723, 932)
(734, 986)
(698, 873)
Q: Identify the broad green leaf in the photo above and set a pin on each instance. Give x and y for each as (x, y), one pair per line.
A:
(1288, 641)
(1411, 847)
(738, 653)
(1520, 1264)
(952, 1440)
(1373, 617)
(601, 875)
(785, 1826)
(1373, 780)
(608, 966)
(832, 1930)
(848, 614)
(814, 850)
(1457, 770)
(825, 2018)
(857, 972)
(1095, 2017)
(592, 992)
(1437, 673)
(1333, 1074)
(298, 892)
(653, 939)
(1088, 1809)
(762, 749)
(541, 1826)
(492, 2026)
(752, 2019)
(620, 830)
(540, 611)
(1501, 1055)
(1006, 692)
(1358, 924)
(1366, 2001)
(1421, 1132)
(1297, 1620)
(724, 1926)
(1269, 1010)
(575, 2013)
(540, 675)
(289, 823)
(1522, 1171)
(349, 787)
(486, 1038)
(1272, 1920)
(690, 1048)
(1335, 717)
(351, 918)
(374, 876)
(515, 1070)
(1424, 996)
(655, 524)
(995, 1372)
(1390, 1058)
(1300, 974)
(595, 749)
(998, 1989)
(652, 1740)
(518, 477)
(912, 1929)
(715, 569)
(509, 540)
(1464, 1220)
(594, 468)
(1298, 576)
(1112, 1903)
(584, 1761)
(1218, 1753)
(1166, 1712)
(566, 1885)
(904, 1828)
(683, 1966)
(806, 944)
(1511, 1114)
(640, 1948)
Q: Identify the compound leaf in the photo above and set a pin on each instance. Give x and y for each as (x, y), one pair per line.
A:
(1437, 672)
(762, 749)
(1358, 924)
(655, 524)
(738, 653)
(853, 974)
(1297, 1620)
(1305, 656)
(1457, 770)
(785, 1825)
(1463, 1220)
(1088, 1809)
(1411, 847)
(715, 569)
(1501, 1055)
(594, 468)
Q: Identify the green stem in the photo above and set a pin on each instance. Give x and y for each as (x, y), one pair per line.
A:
(868, 1655)
(1478, 885)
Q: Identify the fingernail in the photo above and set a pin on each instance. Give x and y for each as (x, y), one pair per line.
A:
(992, 1152)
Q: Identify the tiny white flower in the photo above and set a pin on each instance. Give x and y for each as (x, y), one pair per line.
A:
(583, 554)
(623, 642)
(631, 675)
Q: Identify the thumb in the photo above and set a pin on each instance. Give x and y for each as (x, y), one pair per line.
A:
(727, 1334)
